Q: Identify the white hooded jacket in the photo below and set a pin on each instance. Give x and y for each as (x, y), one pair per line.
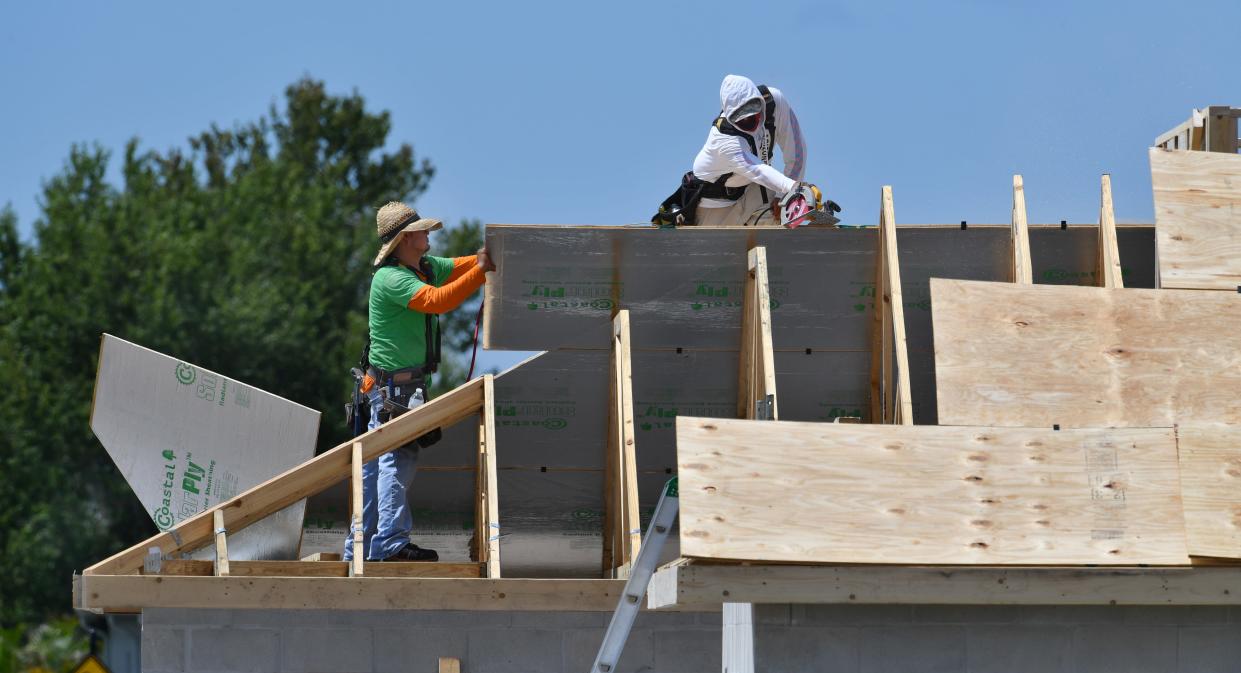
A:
(723, 153)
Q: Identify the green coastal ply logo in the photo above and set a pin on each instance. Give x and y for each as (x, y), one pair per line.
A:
(186, 373)
(163, 513)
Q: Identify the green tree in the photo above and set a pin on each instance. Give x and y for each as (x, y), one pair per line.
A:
(247, 252)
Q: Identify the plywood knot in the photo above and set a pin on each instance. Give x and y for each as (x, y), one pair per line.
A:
(981, 523)
(709, 426)
(979, 457)
(1038, 507)
(974, 478)
(1021, 323)
(896, 510)
(979, 545)
(709, 489)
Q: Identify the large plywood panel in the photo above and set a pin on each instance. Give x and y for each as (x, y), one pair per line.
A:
(1040, 355)
(830, 493)
(1197, 218)
(1210, 457)
(186, 439)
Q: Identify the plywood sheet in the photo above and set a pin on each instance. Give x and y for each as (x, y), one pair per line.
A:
(1198, 218)
(833, 493)
(1210, 458)
(186, 438)
(1040, 355)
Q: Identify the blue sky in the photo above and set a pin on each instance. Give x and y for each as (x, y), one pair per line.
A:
(587, 113)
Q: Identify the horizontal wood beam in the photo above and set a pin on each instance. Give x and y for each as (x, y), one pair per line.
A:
(681, 585)
(302, 481)
(133, 593)
(191, 568)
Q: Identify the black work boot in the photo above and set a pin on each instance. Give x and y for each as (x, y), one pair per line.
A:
(412, 552)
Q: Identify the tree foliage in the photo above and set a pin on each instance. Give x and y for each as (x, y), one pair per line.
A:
(247, 253)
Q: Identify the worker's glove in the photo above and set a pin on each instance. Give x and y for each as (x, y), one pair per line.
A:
(831, 205)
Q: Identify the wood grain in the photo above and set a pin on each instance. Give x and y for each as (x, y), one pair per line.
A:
(1210, 458)
(192, 568)
(1039, 355)
(832, 493)
(1197, 218)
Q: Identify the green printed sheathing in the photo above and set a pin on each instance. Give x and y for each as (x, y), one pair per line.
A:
(187, 438)
(558, 287)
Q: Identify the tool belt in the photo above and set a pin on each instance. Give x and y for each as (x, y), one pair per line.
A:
(395, 389)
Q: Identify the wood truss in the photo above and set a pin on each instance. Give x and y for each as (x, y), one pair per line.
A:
(890, 397)
(756, 375)
(1107, 266)
(157, 554)
(622, 525)
(1213, 129)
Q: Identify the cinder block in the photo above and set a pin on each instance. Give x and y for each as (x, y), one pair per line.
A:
(848, 615)
(1208, 649)
(1020, 648)
(1125, 649)
(966, 614)
(581, 647)
(174, 617)
(441, 619)
(229, 650)
(558, 620)
(775, 615)
(1180, 615)
(400, 650)
(803, 649)
(687, 651)
(1071, 614)
(337, 650)
(163, 649)
(921, 647)
(515, 651)
(653, 619)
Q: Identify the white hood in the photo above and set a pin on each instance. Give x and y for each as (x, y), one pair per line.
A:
(736, 91)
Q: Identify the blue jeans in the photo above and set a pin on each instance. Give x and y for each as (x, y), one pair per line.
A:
(386, 519)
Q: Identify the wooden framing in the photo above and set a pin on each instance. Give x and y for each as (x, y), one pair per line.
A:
(1023, 271)
(356, 566)
(1198, 219)
(324, 470)
(890, 398)
(622, 524)
(1109, 250)
(683, 584)
(1213, 129)
(756, 375)
(193, 568)
(487, 505)
(221, 545)
(134, 593)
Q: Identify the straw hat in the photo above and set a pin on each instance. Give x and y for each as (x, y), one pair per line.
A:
(394, 220)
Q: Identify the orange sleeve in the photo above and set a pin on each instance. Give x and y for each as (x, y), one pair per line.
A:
(443, 299)
(460, 265)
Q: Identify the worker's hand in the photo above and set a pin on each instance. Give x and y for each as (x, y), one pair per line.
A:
(484, 260)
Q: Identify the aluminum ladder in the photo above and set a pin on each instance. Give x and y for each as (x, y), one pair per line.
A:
(630, 602)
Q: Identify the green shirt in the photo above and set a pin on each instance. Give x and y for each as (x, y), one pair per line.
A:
(399, 333)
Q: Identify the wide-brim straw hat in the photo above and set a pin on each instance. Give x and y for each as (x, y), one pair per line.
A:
(395, 220)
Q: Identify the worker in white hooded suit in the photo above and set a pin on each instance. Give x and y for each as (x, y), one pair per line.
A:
(740, 145)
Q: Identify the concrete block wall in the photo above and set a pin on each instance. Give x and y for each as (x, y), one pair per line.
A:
(999, 639)
(787, 639)
(320, 641)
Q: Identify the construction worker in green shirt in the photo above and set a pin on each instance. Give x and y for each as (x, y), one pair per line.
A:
(408, 292)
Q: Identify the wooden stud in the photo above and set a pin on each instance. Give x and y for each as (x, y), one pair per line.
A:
(764, 371)
(309, 478)
(221, 544)
(1022, 269)
(489, 536)
(632, 530)
(1109, 250)
(355, 483)
(450, 665)
(612, 550)
(890, 382)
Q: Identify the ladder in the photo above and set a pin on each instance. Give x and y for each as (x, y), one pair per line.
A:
(630, 602)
